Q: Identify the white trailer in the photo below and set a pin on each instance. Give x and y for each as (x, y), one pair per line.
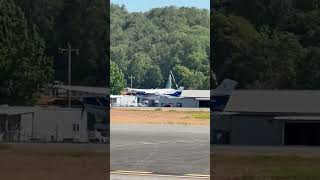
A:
(123, 101)
(52, 124)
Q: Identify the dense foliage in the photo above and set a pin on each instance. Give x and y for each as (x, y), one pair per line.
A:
(149, 45)
(82, 23)
(24, 68)
(267, 44)
(117, 82)
(32, 31)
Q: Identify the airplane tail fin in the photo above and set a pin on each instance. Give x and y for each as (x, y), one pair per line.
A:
(178, 92)
(221, 94)
(180, 89)
(226, 87)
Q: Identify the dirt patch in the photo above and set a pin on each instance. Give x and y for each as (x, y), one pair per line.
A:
(264, 167)
(24, 165)
(158, 116)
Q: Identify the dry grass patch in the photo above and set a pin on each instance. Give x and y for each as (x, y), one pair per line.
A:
(159, 116)
(269, 167)
(23, 164)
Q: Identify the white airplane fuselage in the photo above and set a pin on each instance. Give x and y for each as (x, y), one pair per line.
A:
(156, 93)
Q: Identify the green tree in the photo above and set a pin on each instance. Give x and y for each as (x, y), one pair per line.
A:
(138, 68)
(233, 43)
(267, 44)
(24, 68)
(149, 45)
(153, 78)
(263, 58)
(275, 60)
(41, 13)
(308, 74)
(305, 25)
(83, 23)
(259, 12)
(117, 82)
(189, 78)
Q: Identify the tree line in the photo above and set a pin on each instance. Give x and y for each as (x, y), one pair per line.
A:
(148, 45)
(32, 31)
(267, 44)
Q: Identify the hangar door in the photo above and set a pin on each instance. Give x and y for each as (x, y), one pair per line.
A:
(302, 133)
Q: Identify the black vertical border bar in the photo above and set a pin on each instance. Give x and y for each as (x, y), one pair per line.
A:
(107, 40)
(211, 63)
(212, 84)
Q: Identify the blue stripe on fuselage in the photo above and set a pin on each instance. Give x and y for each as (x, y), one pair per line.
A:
(176, 94)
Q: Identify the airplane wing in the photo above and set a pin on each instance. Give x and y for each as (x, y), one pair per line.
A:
(151, 93)
(142, 91)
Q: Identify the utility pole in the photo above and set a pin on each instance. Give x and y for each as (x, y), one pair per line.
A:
(69, 50)
(131, 77)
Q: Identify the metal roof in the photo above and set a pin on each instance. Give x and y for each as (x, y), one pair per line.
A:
(274, 101)
(196, 93)
(85, 89)
(15, 110)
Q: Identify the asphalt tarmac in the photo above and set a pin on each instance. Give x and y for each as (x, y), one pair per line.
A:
(160, 149)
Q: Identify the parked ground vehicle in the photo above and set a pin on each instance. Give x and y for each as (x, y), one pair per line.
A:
(168, 105)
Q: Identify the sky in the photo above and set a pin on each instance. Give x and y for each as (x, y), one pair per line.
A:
(145, 5)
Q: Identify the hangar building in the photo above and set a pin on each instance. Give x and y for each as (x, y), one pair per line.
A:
(268, 117)
(189, 98)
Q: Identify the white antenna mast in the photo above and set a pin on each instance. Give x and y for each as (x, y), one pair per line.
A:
(174, 80)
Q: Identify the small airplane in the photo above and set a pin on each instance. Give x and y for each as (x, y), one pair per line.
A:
(220, 95)
(156, 93)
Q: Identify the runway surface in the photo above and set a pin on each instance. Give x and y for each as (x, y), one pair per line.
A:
(160, 149)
